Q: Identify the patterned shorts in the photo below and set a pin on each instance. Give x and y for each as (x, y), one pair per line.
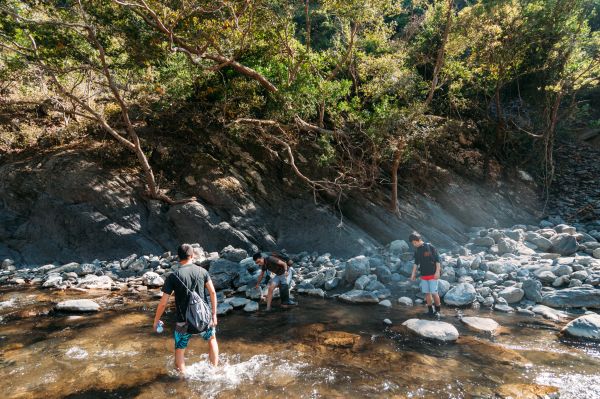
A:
(182, 337)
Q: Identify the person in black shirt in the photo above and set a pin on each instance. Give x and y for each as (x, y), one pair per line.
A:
(283, 277)
(188, 278)
(428, 260)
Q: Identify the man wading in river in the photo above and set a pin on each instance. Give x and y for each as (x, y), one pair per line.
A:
(186, 279)
(428, 260)
(283, 277)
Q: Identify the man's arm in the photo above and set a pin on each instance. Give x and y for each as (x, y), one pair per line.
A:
(162, 305)
(413, 275)
(284, 264)
(213, 300)
(438, 268)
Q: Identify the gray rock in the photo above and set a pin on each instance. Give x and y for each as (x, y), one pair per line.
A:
(501, 267)
(587, 326)
(512, 294)
(484, 241)
(52, 281)
(563, 228)
(93, 282)
(85, 269)
(375, 285)
(356, 267)
(383, 274)
(564, 244)
(361, 282)
(481, 324)
(507, 246)
(561, 281)
(233, 254)
(399, 247)
(562, 270)
(406, 301)
(533, 290)
(152, 279)
(251, 307)
(332, 284)
(460, 295)
(549, 313)
(387, 322)
(515, 235)
(573, 297)
(596, 253)
(443, 288)
(386, 303)
(254, 293)
(476, 262)
(545, 276)
(237, 302)
(503, 308)
(359, 296)
(319, 280)
(224, 308)
(78, 305)
(437, 330)
(315, 292)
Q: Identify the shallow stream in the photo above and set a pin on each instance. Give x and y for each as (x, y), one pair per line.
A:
(321, 349)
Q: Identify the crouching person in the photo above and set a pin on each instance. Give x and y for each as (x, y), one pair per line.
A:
(283, 277)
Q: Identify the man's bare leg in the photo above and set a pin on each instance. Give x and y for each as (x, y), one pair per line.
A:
(180, 360)
(213, 351)
(270, 296)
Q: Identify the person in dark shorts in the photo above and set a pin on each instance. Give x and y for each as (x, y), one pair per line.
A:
(428, 261)
(283, 277)
(188, 277)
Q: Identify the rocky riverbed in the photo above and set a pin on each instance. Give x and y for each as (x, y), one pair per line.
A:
(550, 271)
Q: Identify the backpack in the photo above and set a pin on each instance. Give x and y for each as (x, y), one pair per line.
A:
(199, 314)
(282, 256)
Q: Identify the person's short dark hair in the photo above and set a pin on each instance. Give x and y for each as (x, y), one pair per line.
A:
(185, 251)
(257, 256)
(414, 236)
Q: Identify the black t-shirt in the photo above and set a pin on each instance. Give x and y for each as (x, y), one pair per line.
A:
(426, 257)
(194, 277)
(272, 265)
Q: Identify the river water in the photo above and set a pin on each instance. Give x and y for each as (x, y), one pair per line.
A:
(321, 349)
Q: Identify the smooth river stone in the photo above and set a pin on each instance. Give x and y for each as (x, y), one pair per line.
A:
(573, 298)
(78, 305)
(587, 326)
(437, 330)
(482, 324)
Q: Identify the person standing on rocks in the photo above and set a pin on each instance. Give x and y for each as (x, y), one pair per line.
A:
(428, 261)
(189, 277)
(283, 277)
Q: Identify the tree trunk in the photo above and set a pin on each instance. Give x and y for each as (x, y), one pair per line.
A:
(395, 165)
(307, 17)
(439, 62)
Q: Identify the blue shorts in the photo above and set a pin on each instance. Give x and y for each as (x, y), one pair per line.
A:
(182, 338)
(429, 286)
(277, 280)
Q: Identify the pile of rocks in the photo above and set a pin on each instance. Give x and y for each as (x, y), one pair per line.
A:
(526, 269)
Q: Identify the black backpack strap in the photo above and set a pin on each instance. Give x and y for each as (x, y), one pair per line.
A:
(189, 294)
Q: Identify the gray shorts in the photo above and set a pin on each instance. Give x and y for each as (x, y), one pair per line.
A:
(277, 280)
(429, 286)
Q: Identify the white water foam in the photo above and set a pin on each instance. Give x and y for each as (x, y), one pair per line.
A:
(232, 372)
(573, 385)
(8, 304)
(76, 353)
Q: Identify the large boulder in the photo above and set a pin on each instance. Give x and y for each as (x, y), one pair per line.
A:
(575, 297)
(507, 246)
(564, 244)
(596, 253)
(549, 313)
(460, 295)
(359, 296)
(233, 254)
(587, 326)
(481, 324)
(437, 330)
(93, 282)
(484, 241)
(538, 240)
(78, 305)
(223, 272)
(356, 267)
(532, 289)
(399, 247)
(152, 279)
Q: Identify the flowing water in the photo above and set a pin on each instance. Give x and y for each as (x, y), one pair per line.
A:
(321, 349)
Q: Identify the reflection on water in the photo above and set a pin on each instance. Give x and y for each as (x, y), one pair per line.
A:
(321, 349)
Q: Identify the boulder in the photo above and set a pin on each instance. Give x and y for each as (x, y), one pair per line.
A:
(356, 267)
(538, 240)
(587, 326)
(512, 294)
(386, 303)
(223, 308)
(460, 295)
(251, 307)
(549, 313)
(564, 244)
(383, 274)
(78, 305)
(437, 330)
(237, 302)
(484, 241)
(152, 279)
(52, 281)
(399, 247)
(507, 246)
(359, 296)
(545, 276)
(319, 293)
(406, 301)
(233, 254)
(361, 282)
(481, 324)
(443, 288)
(576, 297)
(332, 284)
(533, 290)
(93, 282)
(596, 253)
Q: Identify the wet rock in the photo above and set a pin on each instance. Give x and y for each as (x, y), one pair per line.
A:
(78, 305)
(224, 308)
(387, 322)
(386, 303)
(503, 308)
(564, 244)
(254, 293)
(152, 279)
(316, 292)
(587, 326)
(527, 391)
(572, 297)
(533, 290)
(549, 313)
(359, 296)
(93, 282)
(406, 301)
(237, 302)
(481, 324)
(251, 307)
(52, 281)
(460, 295)
(356, 267)
(339, 339)
(437, 330)
(512, 294)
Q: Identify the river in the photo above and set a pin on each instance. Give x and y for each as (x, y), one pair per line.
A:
(321, 349)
